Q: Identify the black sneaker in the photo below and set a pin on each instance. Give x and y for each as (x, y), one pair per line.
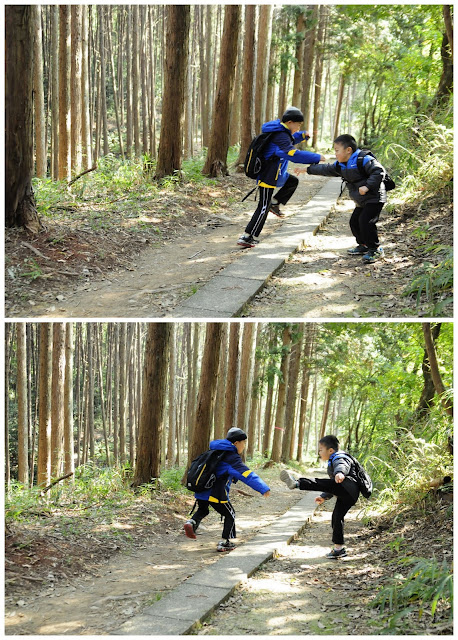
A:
(247, 241)
(357, 251)
(275, 209)
(190, 529)
(225, 546)
(372, 255)
(337, 553)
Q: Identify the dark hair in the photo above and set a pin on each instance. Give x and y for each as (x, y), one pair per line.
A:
(236, 435)
(347, 141)
(292, 114)
(330, 442)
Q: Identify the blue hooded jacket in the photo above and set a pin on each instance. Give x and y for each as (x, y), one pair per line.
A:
(230, 468)
(280, 150)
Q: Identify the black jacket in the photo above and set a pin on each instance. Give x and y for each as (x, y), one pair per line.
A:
(339, 462)
(373, 178)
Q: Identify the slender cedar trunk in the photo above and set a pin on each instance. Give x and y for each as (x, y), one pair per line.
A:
(129, 118)
(234, 127)
(116, 394)
(116, 96)
(131, 384)
(203, 63)
(247, 129)
(75, 88)
(64, 171)
(170, 151)
(22, 413)
(54, 73)
(31, 434)
(262, 67)
(426, 400)
(445, 88)
(172, 397)
(281, 400)
(216, 163)
(207, 391)
(253, 417)
(448, 21)
(195, 360)
(90, 391)
(222, 381)
(304, 389)
(340, 95)
(98, 340)
(318, 75)
(144, 80)
(78, 359)
(290, 412)
(103, 83)
(231, 385)
(20, 209)
(435, 373)
(188, 341)
(122, 392)
(57, 399)
(243, 404)
(268, 418)
(69, 462)
(151, 424)
(324, 417)
(152, 124)
(86, 132)
(298, 70)
(210, 59)
(187, 133)
(38, 94)
(8, 335)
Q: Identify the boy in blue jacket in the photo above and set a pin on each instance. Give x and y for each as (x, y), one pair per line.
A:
(279, 151)
(342, 482)
(229, 468)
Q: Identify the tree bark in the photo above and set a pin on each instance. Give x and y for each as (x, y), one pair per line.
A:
(64, 171)
(290, 412)
(232, 371)
(279, 426)
(38, 90)
(435, 373)
(22, 417)
(57, 398)
(216, 163)
(69, 462)
(245, 368)
(318, 75)
(151, 425)
(262, 67)
(75, 88)
(298, 71)
(247, 114)
(20, 209)
(170, 145)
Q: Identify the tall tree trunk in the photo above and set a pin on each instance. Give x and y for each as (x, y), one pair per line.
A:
(247, 115)
(129, 117)
(324, 417)
(298, 70)
(340, 95)
(448, 21)
(22, 417)
(290, 412)
(216, 163)
(243, 403)
(151, 424)
(54, 91)
(262, 67)
(57, 399)
(38, 94)
(64, 172)
(310, 329)
(279, 426)
(75, 88)
(444, 90)
(69, 462)
(207, 390)
(318, 75)
(172, 397)
(86, 132)
(222, 382)
(231, 385)
(255, 397)
(170, 152)
(435, 373)
(20, 209)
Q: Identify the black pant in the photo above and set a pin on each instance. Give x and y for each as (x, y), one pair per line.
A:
(343, 504)
(224, 508)
(282, 196)
(363, 224)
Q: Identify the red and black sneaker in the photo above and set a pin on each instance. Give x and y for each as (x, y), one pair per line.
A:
(247, 241)
(190, 529)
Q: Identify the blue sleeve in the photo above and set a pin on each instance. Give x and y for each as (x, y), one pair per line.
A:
(286, 151)
(240, 471)
(300, 136)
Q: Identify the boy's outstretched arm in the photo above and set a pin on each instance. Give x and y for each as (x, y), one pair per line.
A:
(238, 470)
(323, 170)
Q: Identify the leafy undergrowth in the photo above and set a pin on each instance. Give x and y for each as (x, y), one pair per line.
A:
(104, 220)
(81, 524)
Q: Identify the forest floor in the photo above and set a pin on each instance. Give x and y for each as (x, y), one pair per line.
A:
(322, 281)
(142, 255)
(137, 257)
(85, 571)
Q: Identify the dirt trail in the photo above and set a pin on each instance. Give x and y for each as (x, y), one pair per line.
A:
(163, 276)
(97, 603)
(322, 281)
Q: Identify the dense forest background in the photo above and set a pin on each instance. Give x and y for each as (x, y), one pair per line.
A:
(149, 396)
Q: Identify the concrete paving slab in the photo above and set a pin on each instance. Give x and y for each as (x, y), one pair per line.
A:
(226, 293)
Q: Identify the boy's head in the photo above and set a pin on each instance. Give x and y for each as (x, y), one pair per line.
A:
(237, 437)
(293, 118)
(327, 446)
(344, 146)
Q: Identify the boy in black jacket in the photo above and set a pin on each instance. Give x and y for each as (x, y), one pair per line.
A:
(366, 188)
(278, 152)
(230, 469)
(343, 483)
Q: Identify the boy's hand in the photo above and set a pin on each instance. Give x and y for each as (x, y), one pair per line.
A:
(322, 158)
(266, 494)
(363, 191)
(319, 500)
(298, 171)
(339, 477)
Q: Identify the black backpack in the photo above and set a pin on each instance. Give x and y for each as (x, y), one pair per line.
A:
(254, 160)
(364, 480)
(387, 180)
(202, 472)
